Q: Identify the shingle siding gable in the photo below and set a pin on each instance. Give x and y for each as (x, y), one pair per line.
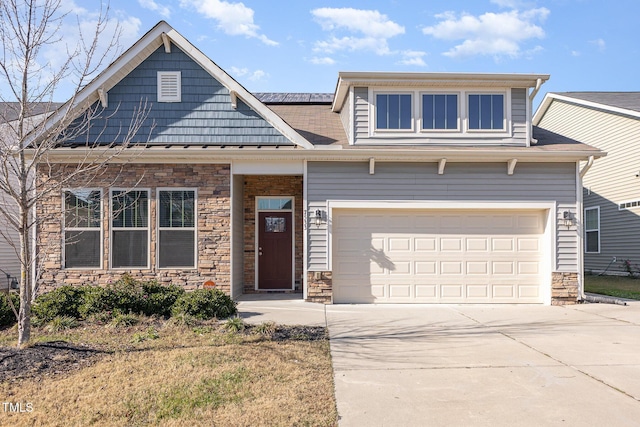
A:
(205, 115)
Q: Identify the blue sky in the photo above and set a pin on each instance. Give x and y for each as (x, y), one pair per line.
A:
(300, 45)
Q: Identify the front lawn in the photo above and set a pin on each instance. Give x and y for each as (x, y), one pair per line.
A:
(159, 372)
(616, 286)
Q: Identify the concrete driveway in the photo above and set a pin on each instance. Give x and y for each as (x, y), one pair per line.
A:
(431, 365)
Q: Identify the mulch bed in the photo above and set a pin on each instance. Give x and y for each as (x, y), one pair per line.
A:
(45, 359)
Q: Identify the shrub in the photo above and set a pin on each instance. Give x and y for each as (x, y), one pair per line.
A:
(7, 316)
(61, 302)
(95, 303)
(205, 304)
(158, 299)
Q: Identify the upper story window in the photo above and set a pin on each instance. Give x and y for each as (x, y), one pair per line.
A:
(393, 111)
(440, 111)
(169, 86)
(486, 111)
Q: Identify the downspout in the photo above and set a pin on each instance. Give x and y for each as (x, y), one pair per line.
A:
(586, 168)
(581, 174)
(531, 96)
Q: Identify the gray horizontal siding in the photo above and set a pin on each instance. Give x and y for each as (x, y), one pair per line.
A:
(204, 116)
(461, 182)
(361, 112)
(519, 114)
(611, 179)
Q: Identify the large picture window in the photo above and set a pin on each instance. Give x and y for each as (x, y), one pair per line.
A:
(393, 111)
(592, 230)
(486, 111)
(82, 228)
(176, 228)
(439, 111)
(130, 229)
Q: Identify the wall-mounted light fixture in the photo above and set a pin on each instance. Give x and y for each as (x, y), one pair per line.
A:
(567, 217)
(318, 217)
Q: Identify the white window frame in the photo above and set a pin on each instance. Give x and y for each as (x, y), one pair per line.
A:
(586, 230)
(380, 136)
(162, 97)
(506, 109)
(113, 229)
(628, 205)
(374, 111)
(293, 236)
(65, 228)
(194, 228)
(439, 131)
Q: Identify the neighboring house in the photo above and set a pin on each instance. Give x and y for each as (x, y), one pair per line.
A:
(399, 187)
(9, 239)
(609, 121)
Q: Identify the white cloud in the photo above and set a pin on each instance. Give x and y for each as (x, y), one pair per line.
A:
(413, 57)
(366, 29)
(234, 19)
(153, 6)
(325, 60)
(245, 72)
(496, 34)
(575, 53)
(600, 44)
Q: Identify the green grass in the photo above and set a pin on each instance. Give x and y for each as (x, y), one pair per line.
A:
(615, 286)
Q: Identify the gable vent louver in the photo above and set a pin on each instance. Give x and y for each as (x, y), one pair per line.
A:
(169, 86)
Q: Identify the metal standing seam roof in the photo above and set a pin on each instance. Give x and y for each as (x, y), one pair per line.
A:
(294, 98)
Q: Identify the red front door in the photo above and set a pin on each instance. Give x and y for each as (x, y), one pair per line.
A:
(275, 251)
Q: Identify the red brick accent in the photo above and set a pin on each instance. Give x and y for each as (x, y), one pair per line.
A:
(213, 231)
(264, 186)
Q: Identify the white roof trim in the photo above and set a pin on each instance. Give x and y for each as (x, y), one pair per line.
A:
(549, 97)
(135, 55)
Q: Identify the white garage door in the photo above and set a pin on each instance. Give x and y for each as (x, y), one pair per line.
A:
(400, 256)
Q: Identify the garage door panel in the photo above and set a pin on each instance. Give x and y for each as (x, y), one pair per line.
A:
(438, 256)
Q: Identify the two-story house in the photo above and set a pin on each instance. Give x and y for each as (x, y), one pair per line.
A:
(398, 187)
(609, 121)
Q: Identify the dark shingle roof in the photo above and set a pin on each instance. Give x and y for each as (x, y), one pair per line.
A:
(626, 100)
(315, 122)
(294, 98)
(9, 111)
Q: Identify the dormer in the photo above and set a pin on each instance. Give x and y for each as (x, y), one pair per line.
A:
(437, 108)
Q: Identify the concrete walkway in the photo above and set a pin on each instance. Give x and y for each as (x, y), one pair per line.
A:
(424, 365)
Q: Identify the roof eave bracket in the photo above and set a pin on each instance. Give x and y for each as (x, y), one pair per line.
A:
(441, 164)
(372, 166)
(102, 95)
(234, 99)
(511, 166)
(166, 42)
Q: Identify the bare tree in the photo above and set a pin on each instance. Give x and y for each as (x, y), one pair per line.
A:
(35, 126)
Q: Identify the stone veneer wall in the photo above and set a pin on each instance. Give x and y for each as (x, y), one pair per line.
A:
(564, 288)
(213, 228)
(320, 286)
(264, 186)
